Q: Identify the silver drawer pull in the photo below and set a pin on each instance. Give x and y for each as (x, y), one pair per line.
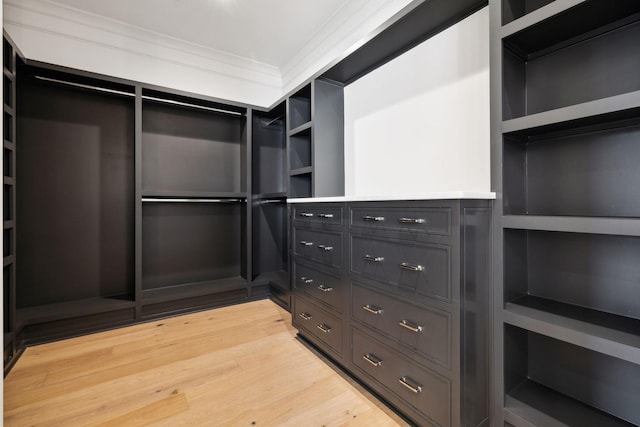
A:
(324, 328)
(373, 218)
(372, 309)
(373, 258)
(408, 384)
(324, 288)
(305, 316)
(325, 248)
(306, 280)
(375, 361)
(305, 243)
(326, 216)
(306, 214)
(410, 326)
(411, 267)
(411, 220)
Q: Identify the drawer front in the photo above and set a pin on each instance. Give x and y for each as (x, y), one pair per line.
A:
(319, 285)
(314, 321)
(423, 390)
(317, 214)
(426, 331)
(435, 221)
(320, 246)
(421, 268)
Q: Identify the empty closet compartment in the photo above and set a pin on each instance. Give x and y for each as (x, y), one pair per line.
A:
(192, 147)
(572, 58)
(551, 382)
(591, 278)
(300, 185)
(192, 248)
(269, 142)
(299, 106)
(300, 149)
(75, 204)
(581, 171)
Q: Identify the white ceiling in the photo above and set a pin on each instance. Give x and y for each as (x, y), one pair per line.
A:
(267, 31)
(250, 51)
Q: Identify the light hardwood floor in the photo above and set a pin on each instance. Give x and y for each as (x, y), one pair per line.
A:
(233, 366)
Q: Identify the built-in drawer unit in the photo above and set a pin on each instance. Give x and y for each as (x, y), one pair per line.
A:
(427, 220)
(425, 392)
(423, 330)
(318, 214)
(324, 287)
(318, 324)
(408, 283)
(419, 268)
(320, 246)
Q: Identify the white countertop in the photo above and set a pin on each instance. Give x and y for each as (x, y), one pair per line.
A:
(420, 196)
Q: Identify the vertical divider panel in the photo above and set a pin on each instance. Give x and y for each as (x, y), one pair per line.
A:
(138, 203)
(248, 189)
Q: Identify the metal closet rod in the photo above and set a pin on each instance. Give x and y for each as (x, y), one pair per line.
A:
(147, 97)
(186, 104)
(174, 200)
(80, 85)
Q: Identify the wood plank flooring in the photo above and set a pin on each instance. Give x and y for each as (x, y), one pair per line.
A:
(232, 366)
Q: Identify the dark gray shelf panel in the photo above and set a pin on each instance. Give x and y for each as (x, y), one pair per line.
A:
(605, 333)
(301, 171)
(269, 196)
(423, 22)
(532, 404)
(519, 14)
(190, 290)
(302, 128)
(299, 108)
(614, 226)
(71, 309)
(567, 22)
(193, 194)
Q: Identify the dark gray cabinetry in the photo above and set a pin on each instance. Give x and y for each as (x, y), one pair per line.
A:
(317, 276)
(315, 140)
(565, 129)
(414, 319)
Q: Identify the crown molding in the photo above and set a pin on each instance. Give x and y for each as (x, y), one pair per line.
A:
(46, 19)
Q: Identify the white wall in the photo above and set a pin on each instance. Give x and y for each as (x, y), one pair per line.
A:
(420, 123)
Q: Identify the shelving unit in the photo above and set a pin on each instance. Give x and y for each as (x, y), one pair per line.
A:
(315, 140)
(565, 127)
(10, 58)
(270, 218)
(194, 210)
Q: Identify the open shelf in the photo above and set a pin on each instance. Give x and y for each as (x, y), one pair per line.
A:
(299, 107)
(593, 383)
(570, 173)
(595, 271)
(300, 184)
(192, 195)
(611, 334)
(518, 14)
(545, 69)
(187, 150)
(269, 144)
(532, 404)
(191, 290)
(71, 309)
(300, 147)
(572, 224)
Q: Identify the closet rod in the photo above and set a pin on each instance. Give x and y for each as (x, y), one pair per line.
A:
(80, 85)
(171, 200)
(186, 104)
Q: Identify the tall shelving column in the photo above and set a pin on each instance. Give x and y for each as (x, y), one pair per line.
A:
(9, 197)
(565, 149)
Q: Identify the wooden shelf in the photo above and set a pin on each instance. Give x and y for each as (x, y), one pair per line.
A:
(269, 196)
(193, 194)
(537, 16)
(605, 333)
(305, 127)
(606, 110)
(300, 171)
(572, 224)
(190, 290)
(531, 404)
(71, 309)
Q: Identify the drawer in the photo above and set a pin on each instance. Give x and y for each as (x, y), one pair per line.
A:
(319, 285)
(313, 321)
(428, 220)
(424, 391)
(424, 330)
(420, 268)
(317, 214)
(320, 246)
